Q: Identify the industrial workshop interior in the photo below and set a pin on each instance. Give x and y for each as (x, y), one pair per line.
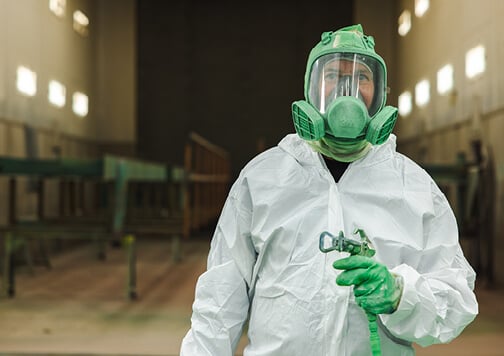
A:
(123, 125)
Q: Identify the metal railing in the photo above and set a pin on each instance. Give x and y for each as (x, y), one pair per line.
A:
(208, 176)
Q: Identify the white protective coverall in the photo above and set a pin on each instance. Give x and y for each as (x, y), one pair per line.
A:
(265, 256)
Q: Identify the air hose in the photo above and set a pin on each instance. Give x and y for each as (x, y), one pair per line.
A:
(374, 338)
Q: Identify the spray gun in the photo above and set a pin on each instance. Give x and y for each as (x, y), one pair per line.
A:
(328, 242)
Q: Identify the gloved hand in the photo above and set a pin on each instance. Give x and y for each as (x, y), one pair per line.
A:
(376, 290)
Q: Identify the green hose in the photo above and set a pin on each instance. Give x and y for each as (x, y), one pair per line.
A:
(374, 337)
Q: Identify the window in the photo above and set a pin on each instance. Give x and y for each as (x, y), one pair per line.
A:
(422, 93)
(80, 104)
(80, 23)
(26, 81)
(58, 7)
(421, 7)
(57, 93)
(405, 103)
(475, 61)
(404, 23)
(445, 79)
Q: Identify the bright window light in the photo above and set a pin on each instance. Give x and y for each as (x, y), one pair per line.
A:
(405, 103)
(475, 61)
(445, 79)
(80, 104)
(26, 81)
(80, 22)
(57, 7)
(404, 23)
(57, 93)
(422, 92)
(421, 6)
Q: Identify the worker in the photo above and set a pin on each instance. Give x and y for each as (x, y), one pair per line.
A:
(340, 172)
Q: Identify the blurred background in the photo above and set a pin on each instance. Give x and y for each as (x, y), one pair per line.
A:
(123, 124)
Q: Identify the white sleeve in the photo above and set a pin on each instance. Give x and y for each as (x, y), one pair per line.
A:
(438, 301)
(221, 302)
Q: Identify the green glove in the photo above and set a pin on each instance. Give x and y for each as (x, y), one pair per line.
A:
(376, 290)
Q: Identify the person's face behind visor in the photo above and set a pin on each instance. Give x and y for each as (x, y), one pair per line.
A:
(345, 74)
(347, 78)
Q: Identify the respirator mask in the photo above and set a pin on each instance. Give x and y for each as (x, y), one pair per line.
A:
(345, 90)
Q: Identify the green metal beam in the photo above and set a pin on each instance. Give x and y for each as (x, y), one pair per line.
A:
(50, 167)
(106, 168)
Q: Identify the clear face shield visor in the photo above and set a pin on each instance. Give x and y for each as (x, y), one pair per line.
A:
(346, 74)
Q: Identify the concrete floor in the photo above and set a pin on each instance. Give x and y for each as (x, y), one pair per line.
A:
(79, 307)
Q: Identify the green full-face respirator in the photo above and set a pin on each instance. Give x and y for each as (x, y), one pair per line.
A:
(345, 89)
